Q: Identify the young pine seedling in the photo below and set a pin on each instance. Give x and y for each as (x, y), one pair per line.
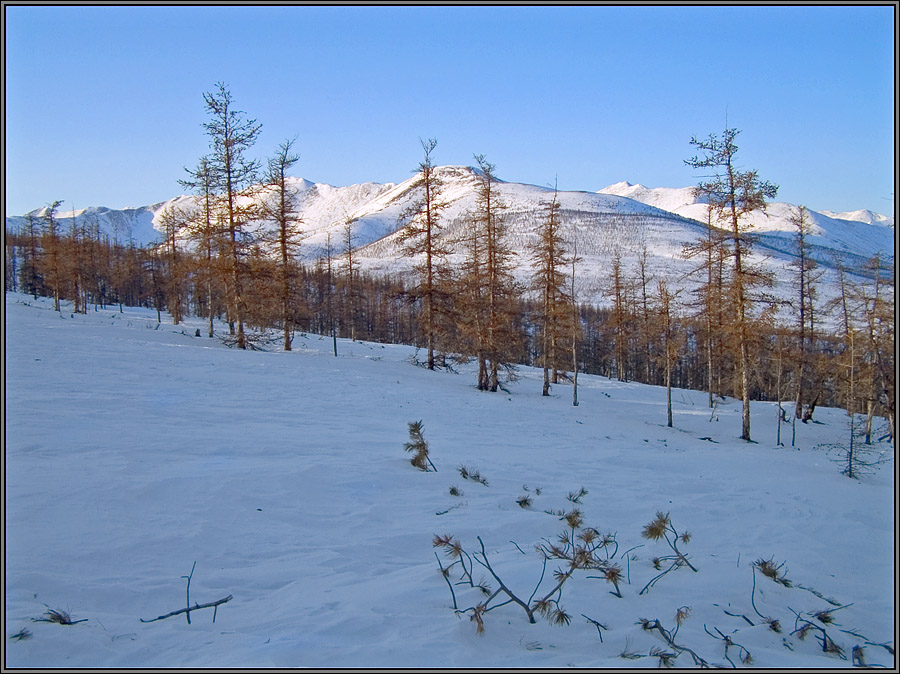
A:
(419, 447)
(661, 528)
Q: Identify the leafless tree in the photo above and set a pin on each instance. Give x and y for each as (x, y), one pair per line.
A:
(710, 292)
(352, 277)
(669, 336)
(734, 194)
(231, 136)
(500, 291)
(205, 230)
(421, 236)
(51, 243)
(548, 278)
(281, 207)
(806, 294)
(174, 220)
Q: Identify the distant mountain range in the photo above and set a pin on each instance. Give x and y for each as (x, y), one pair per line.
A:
(622, 219)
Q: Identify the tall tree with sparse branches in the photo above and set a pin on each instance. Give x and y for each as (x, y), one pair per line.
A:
(877, 301)
(51, 243)
(470, 311)
(549, 262)
(669, 336)
(421, 236)
(619, 316)
(806, 294)
(734, 193)
(74, 265)
(281, 207)
(204, 229)
(575, 323)
(710, 293)
(174, 220)
(352, 276)
(500, 291)
(31, 280)
(231, 136)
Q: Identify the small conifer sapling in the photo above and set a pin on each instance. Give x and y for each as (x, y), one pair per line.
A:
(661, 528)
(419, 447)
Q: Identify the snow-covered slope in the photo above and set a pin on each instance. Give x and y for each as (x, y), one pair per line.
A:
(667, 198)
(863, 215)
(379, 213)
(125, 226)
(860, 233)
(134, 450)
(601, 224)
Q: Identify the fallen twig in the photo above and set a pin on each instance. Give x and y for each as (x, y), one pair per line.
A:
(195, 607)
(833, 602)
(600, 626)
(669, 638)
(445, 573)
(188, 595)
(739, 615)
(746, 658)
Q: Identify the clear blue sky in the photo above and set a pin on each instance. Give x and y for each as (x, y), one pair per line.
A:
(104, 104)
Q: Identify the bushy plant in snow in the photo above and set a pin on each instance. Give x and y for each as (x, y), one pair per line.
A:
(575, 549)
(661, 528)
(471, 474)
(58, 616)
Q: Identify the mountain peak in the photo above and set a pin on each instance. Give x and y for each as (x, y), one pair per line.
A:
(621, 216)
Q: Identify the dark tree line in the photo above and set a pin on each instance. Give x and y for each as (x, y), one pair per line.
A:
(113, 274)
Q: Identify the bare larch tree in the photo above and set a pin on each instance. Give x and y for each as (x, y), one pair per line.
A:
(421, 236)
(549, 262)
(734, 194)
(231, 135)
(281, 207)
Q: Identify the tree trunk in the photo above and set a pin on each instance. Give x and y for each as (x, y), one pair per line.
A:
(209, 299)
(778, 408)
(870, 413)
(482, 373)
(668, 392)
(745, 392)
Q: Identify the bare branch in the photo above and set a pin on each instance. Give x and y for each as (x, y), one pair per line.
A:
(196, 607)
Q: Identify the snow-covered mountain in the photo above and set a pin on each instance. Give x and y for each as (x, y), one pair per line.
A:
(855, 234)
(863, 215)
(123, 226)
(622, 219)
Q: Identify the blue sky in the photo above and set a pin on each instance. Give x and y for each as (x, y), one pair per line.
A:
(104, 104)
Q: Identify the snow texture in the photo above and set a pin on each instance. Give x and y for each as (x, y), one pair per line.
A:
(135, 449)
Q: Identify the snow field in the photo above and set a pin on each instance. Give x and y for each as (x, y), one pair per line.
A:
(133, 451)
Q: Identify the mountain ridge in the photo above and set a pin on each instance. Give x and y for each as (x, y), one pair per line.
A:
(624, 219)
(677, 200)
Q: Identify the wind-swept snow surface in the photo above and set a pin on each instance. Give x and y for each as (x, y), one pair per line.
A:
(134, 450)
